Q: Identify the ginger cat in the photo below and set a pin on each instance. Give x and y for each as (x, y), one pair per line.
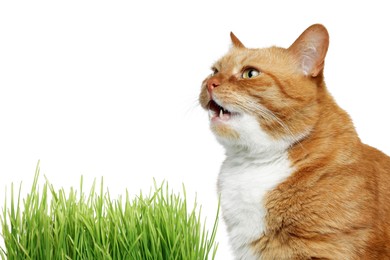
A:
(297, 182)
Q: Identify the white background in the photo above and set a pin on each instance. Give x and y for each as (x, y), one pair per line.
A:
(110, 88)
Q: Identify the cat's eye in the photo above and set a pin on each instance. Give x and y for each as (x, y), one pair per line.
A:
(250, 73)
(215, 71)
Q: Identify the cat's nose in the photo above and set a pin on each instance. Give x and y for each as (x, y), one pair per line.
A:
(212, 84)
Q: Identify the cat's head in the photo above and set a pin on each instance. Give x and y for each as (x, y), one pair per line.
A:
(266, 99)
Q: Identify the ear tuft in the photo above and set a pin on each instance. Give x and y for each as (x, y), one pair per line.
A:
(236, 42)
(310, 49)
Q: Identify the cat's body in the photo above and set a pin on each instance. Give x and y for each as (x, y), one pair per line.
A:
(297, 182)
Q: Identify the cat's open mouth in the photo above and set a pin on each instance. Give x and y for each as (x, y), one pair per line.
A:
(218, 112)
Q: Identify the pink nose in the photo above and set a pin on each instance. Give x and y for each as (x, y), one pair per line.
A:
(212, 84)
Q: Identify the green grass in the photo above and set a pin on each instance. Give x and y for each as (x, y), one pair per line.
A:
(53, 224)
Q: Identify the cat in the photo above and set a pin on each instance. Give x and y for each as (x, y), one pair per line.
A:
(297, 182)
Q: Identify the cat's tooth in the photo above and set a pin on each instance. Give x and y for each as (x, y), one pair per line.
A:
(221, 113)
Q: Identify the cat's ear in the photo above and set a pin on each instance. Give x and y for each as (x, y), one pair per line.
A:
(236, 42)
(310, 49)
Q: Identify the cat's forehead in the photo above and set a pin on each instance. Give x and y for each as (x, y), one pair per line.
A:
(233, 61)
(238, 58)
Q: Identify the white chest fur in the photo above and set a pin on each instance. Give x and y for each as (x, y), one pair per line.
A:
(243, 183)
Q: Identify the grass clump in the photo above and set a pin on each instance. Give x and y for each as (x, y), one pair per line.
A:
(59, 225)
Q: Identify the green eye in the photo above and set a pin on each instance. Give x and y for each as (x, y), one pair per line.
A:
(250, 73)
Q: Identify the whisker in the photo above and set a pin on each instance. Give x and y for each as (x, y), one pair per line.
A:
(192, 106)
(296, 139)
(249, 105)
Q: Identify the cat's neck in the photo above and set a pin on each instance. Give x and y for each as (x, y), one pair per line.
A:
(333, 136)
(261, 156)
